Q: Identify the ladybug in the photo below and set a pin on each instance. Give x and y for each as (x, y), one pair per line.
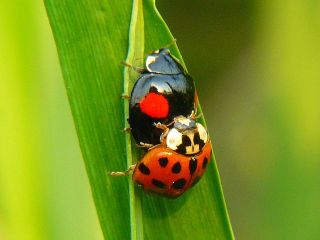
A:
(178, 163)
(169, 173)
(163, 91)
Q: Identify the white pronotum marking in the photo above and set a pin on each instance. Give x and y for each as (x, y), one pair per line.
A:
(202, 132)
(174, 139)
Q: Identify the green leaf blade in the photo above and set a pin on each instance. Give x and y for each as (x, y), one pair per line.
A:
(91, 44)
(201, 212)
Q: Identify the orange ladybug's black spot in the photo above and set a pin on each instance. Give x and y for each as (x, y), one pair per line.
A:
(176, 168)
(179, 184)
(163, 162)
(158, 183)
(193, 165)
(144, 169)
(205, 162)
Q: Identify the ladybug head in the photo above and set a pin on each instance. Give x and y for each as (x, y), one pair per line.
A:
(186, 137)
(161, 61)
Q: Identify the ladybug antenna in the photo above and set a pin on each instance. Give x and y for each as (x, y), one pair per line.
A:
(194, 115)
(129, 65)
(164, 47)
(170, 44)
(140, 59)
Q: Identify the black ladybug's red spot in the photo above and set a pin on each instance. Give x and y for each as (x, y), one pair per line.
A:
(155, 105)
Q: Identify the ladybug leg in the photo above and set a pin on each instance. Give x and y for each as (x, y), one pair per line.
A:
(164, 135)
(154, 146)
(125, 173)
(127, 130)
(148, 145)
(137, 69)
(170, 44)
(145, 145)
(194, 115)
(125, 96)
(165, 130)
(161, 126)
(199, 115)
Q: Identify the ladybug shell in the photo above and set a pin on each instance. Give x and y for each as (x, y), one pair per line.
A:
(159, 98)
(168, 173)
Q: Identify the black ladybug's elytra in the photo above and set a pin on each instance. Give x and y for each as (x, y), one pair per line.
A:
(163, 91)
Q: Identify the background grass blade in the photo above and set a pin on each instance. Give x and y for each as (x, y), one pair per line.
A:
(44, 190)
(92, 38)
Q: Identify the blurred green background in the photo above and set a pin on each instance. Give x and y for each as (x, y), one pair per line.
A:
(256, 66)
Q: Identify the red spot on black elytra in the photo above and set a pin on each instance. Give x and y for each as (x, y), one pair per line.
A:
(155, 105)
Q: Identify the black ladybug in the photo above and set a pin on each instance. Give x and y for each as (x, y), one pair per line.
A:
(163, 91)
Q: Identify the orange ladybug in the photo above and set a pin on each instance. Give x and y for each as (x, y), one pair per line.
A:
(178, 162)
(169, 173)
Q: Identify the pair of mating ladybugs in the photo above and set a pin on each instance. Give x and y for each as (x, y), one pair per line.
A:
(162, 118)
